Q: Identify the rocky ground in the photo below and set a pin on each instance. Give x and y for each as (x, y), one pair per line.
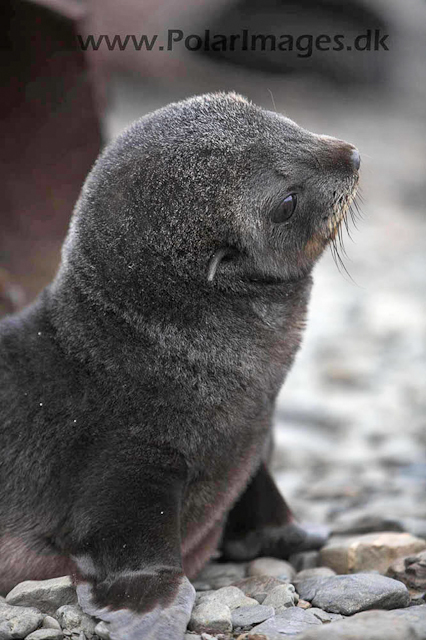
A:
(366, 587)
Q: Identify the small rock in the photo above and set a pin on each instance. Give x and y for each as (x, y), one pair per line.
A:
(353, 593)
(372, 551)
(72, 617)
(282, 597)
(410, 570)
(211, 616)
(201, 594)
(18, 622)
(230, 596)
(102, 631)
(317, 572)
(248, 616)
(46, 634)
(258, 587)
(50, 623)
(305, 560)
(215, 575)
(399, 624)
(288, 623)
(304, 604)
(271, 567)
(45, 595)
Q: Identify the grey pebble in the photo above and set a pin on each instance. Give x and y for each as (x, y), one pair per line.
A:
(45, 595)
(50, 623)
(72, 617)
(18, 622)
(46, 634)
(230, 596)
(211, 616)
(398, 624)
(288, 623)
(282, 597)
(271, 567)
(349, 594)
(248, 616)
(258, 587)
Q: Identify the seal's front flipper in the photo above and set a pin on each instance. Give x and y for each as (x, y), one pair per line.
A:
(160, 611)
(129, 568)
(262, 524)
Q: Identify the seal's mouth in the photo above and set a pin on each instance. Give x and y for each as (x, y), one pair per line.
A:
(340, 210)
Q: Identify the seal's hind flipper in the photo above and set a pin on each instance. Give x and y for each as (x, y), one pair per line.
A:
(262, 524)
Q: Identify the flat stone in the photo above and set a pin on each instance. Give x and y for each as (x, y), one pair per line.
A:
(211, 616)
(282, 597)
(258, 587)
(353, 593)
(50, 623)
(45, 595)
(46, 634)
(72, 617)
(372, 551)
(410, 570)
(399, 624)
(289, 623)
(215, 575)
(271, 567)
(231, 596)
(248, 616)
(18, 622)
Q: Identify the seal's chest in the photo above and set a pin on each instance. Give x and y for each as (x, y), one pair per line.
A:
(272, 315)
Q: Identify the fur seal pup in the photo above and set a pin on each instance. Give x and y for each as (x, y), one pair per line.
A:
(137, 392)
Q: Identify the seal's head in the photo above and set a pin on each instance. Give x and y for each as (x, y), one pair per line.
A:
(212, 191)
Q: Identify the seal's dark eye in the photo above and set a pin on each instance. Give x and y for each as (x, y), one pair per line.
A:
(285, 209)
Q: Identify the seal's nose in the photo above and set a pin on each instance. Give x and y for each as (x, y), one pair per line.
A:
(356, 159)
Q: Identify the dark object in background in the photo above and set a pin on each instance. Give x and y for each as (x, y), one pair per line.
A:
(50, 137)
(309, 17)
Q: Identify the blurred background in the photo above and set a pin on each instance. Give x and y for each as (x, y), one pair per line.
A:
(351, 419)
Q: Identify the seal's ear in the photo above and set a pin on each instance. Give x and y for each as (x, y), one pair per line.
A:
(218, 256)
